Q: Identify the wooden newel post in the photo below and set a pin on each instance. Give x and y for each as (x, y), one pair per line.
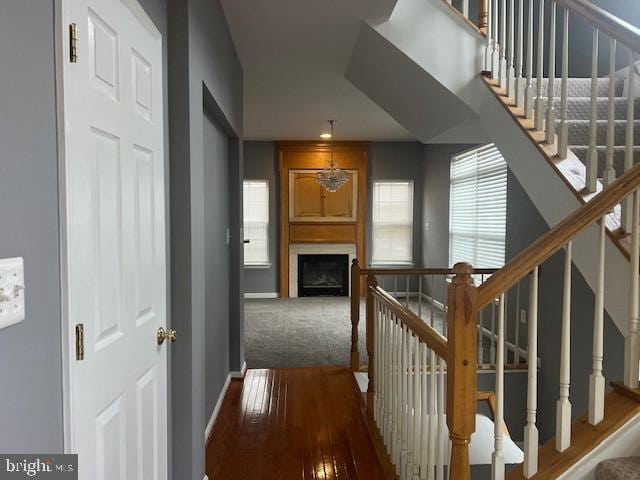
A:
(483, 12)
(461, 369)
(371, 283)
(355, 314)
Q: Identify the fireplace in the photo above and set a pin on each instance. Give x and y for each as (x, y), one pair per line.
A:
(323, 275)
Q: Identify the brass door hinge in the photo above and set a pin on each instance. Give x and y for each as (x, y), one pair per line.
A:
(80, 341)
(73, 43)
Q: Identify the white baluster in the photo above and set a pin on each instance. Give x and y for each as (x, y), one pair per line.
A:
(609, 171)
(465, 8)
(497, 458)
(492, 348)
(563, 406)
(442, 440)
(410, 406)
(426, 414)
(395, 433)
(530, 467)
(627, 205)
(417, 409)
(516, 337)
(520, 82)
(511, 72)
(539, 117)
(596, 379)
(529, 92)
(488, 52)
(403, 404)
(503, 44)
(495, 54)
(551, 111)
(376, 360)
(592, 157)
(388, 417)
(480, 337)
(563, 140)
(385, 370)
(433, 423)
(632, 347)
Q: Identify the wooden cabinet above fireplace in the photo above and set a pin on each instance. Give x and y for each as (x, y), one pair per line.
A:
(311, 215)
(309, 202)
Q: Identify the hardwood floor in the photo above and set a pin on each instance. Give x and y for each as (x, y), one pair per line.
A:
(303, 423)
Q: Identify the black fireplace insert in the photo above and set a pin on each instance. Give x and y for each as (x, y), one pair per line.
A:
(323, 275)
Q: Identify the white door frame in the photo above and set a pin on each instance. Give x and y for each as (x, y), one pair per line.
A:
(61, 55)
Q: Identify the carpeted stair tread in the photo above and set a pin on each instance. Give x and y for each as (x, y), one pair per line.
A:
(581, 87)
(579, 132)
(618, 157)
(579, 108)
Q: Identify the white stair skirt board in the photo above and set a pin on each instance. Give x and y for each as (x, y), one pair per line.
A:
(216, 409)
(623, 443)
(262, 295)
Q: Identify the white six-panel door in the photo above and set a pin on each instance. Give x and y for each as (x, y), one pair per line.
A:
(114, 241)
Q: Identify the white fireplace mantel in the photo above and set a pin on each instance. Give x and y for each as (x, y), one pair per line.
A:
(296, 249)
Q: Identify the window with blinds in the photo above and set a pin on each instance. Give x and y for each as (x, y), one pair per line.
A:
(392, 222)
(478, 208)
(256, 222)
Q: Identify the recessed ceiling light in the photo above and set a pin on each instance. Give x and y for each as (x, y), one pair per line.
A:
(325, 135)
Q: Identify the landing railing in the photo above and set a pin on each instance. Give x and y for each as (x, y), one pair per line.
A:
(423, 291)
(422, 383)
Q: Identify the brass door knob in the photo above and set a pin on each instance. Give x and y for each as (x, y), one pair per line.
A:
(170, 335)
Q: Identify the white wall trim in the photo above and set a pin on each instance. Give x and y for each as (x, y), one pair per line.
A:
(241, 373)
(216, 409)
(205, 477)
(262, 295)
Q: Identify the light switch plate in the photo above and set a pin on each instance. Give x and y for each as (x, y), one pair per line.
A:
(11, 291)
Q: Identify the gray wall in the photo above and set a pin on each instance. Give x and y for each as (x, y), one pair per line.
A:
(261, 162)
(30, 352)
(435, 242)
(397, 161)
(216, 181)
(205, 73)
(387, 160)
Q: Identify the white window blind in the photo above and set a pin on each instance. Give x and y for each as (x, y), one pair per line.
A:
(392, 222)
(256, 222)
(478, 208)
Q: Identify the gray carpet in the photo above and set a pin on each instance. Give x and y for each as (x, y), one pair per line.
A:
(304, 332)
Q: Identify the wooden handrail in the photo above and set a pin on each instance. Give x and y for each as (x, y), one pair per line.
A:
(556, 238)
(427, 334)
(606, 22)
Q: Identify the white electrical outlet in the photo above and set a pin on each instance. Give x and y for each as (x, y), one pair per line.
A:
(11, 291)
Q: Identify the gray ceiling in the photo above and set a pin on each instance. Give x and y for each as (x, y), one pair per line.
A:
(294, 54)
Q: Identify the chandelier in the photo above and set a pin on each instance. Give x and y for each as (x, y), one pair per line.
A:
(332, 178)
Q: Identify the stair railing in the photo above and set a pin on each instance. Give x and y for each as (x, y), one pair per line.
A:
(509, 60)
(422, 383)
(424, 292)
(526, 264)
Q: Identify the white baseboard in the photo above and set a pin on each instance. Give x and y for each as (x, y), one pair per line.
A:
(262, 295)
(205, 477)
(216, 409)
(241, 373)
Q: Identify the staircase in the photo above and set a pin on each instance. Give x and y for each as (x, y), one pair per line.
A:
(574, 145)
